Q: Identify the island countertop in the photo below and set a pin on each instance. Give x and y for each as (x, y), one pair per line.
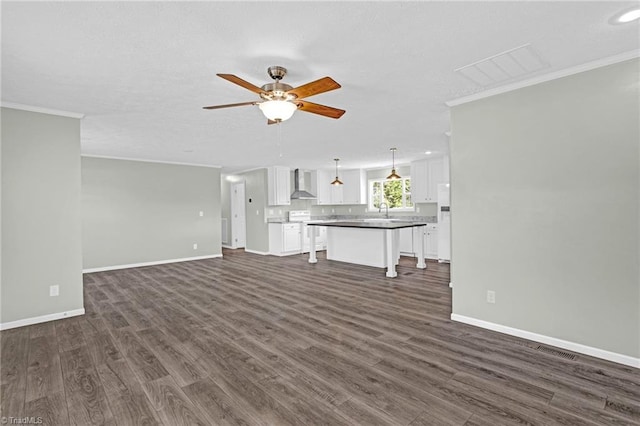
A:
(369, 224)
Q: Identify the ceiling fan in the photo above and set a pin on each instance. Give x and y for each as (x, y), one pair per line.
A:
(280, 101)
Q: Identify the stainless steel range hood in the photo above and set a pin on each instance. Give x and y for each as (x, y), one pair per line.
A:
(299, 193)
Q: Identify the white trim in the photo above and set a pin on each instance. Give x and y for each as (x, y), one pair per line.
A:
(263, 253)
(157, 262)
(176, 163)
(547, 77)
(572, 346)
(42, 318)
(42, 110)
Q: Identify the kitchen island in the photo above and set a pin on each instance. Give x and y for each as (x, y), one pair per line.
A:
(370, 242)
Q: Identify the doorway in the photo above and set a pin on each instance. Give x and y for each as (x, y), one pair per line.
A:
(238, 216)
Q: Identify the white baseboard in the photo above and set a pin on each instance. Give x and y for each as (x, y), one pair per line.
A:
(157, 262)
(572, 346)
(40, 319)
(263, 253)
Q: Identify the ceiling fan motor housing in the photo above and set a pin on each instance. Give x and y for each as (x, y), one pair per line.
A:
(277, 91)
(277, 72)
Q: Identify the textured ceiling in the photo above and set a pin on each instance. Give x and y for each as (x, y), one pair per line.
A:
(141, 71)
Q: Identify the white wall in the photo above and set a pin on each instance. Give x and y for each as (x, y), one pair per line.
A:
(41, 233)
(140, 212)
(545, 191)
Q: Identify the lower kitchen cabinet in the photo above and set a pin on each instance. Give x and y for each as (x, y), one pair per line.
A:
(431, 241)
(321, 237)
(406, 242)
(285, 238)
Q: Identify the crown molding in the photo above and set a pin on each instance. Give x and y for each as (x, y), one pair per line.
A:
(610, 60)
(41, 110)
(175, 163)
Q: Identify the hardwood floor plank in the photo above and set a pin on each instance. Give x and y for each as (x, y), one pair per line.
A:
(44, 374)
(178, 362)
(43, 329)
(219, 407)
(85, 397)
(307, 412)
(102, 348)
(127, 400)
(14, 355)
(624, 407)
(580, 409)
(172, 405)
(360, 413)
(50, 410)
(141, 359)
(69, 334)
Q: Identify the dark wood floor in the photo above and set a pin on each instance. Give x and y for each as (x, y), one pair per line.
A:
(260, 340)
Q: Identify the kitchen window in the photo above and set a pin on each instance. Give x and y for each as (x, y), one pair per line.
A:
(395, 193)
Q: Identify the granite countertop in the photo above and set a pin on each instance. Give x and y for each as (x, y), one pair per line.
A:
(370, 224)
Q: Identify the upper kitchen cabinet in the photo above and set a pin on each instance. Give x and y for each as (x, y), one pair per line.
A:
(353, 190)
(279, 186)
(320, 185)
(425, 177)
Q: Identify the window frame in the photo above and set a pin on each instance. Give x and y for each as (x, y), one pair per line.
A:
(371, 182)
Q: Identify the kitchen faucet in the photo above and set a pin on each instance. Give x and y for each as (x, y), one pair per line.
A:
(386, 206)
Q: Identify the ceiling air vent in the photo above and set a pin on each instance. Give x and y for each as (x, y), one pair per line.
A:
(508, 65)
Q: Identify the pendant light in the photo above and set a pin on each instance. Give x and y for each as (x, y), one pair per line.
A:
(336, 181)
(393, 174)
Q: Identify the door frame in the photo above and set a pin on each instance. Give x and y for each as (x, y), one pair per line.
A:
(238, 205)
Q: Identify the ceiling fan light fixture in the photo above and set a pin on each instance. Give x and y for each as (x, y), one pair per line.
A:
(278, 110)
(336, 181)
(393, 174)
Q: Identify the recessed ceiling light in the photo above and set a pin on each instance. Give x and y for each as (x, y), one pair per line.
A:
(428, 152)
(626, 16)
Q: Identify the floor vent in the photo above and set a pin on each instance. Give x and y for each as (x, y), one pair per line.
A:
(556, 352)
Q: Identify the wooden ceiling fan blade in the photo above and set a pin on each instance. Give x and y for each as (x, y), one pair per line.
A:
(230, 105)
(240, 82)
(272, 121)
(327, 111)
(319, 86)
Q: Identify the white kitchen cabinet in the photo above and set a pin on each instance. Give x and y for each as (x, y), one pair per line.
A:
(279, 186)
(431, 241)
(353, 190)
(326, 194)
(285, 239)
(406, 242)
(321, 237)
(425, 177)
(320, 186)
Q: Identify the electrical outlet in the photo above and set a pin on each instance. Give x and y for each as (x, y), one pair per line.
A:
(195, 246)
(201, 213)
(54, 290)
(257, 212)
(322, 210)
(270, 212)
(333, 210)
(418, 209)
(349, 209)
(491, 296)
